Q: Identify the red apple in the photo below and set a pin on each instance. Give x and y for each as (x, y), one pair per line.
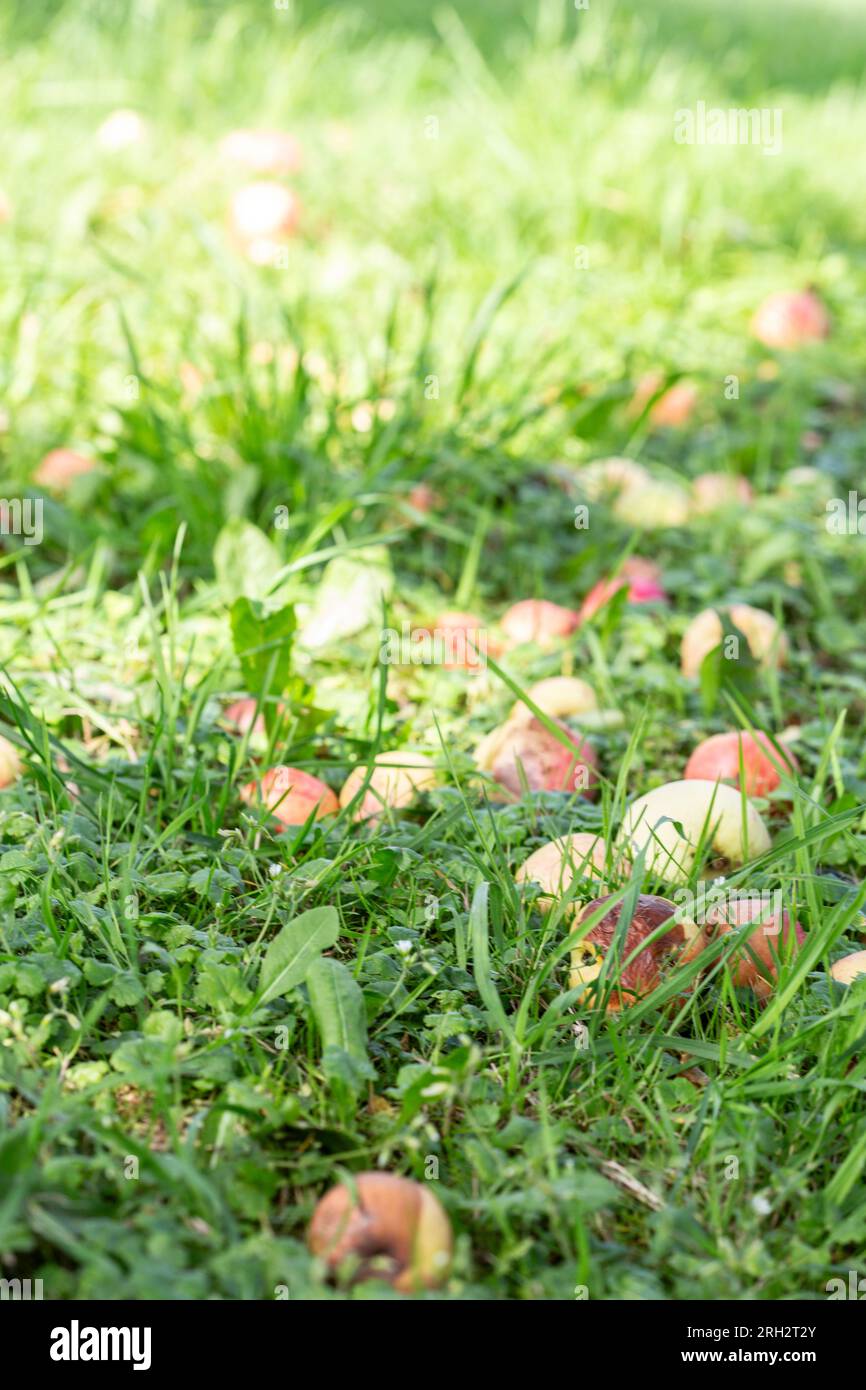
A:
(291, 795)
(791, 318)
(526, 751)
(718, 759)
(642, 578)
(641, 976)
(60, 467)
(755, 961)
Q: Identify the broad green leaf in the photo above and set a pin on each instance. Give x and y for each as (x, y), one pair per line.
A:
(245, 561)
(263, 643)
(338, 1007)
(294, 950)
(349, 597)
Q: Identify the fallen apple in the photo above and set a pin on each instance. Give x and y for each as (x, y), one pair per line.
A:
(458, 641)
(707, 813)
(718, 758)
(641, 577)
(538, 620)
(754, 963)
(634, 979)
(557, 863)
(560, 697)
(654, 506)
(10, 763)
(673, 407)
(849, 968)
(790, 319)
(60, 467)
(241, 716)
(262, 151)
(385, 1227)
(518, 753)
(424, 498)
(398, 777)
(611, 476)
(120, 131)
(767, 642)
(711, 492)
(291, 795)
(263, 215)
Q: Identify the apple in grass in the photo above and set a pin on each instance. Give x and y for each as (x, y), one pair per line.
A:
(241, 716)
(673, 408)
(711, 492)
(397, 779)
(765, 638)
(263, 151)
(611, 476)
(718, 759)
(60, 468)
(459, 640)
(768, 939)
(263, 215)
(521, 754)
(849, 968)
(653, 506)
(641, 578)
(560, 697)
(671, 822)
(647, 938)
(291, 795)
(10, 763)
(555, 865)
(538, 620)
(121, 130)
(791, 319)
(386, 1227)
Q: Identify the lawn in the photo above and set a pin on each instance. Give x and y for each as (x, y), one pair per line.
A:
(297, 458)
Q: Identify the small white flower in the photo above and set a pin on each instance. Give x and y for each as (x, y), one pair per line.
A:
(760, 1206)
(404, 947)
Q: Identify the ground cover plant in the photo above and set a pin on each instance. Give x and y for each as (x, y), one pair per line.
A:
(436, 497)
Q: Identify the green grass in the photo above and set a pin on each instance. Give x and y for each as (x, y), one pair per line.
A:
(165, 1132)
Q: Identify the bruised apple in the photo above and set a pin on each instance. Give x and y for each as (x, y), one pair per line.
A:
(718, 759)
(386, 1227)
(526, 754)
(632, 979)
(773, 936)
(291, 795)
